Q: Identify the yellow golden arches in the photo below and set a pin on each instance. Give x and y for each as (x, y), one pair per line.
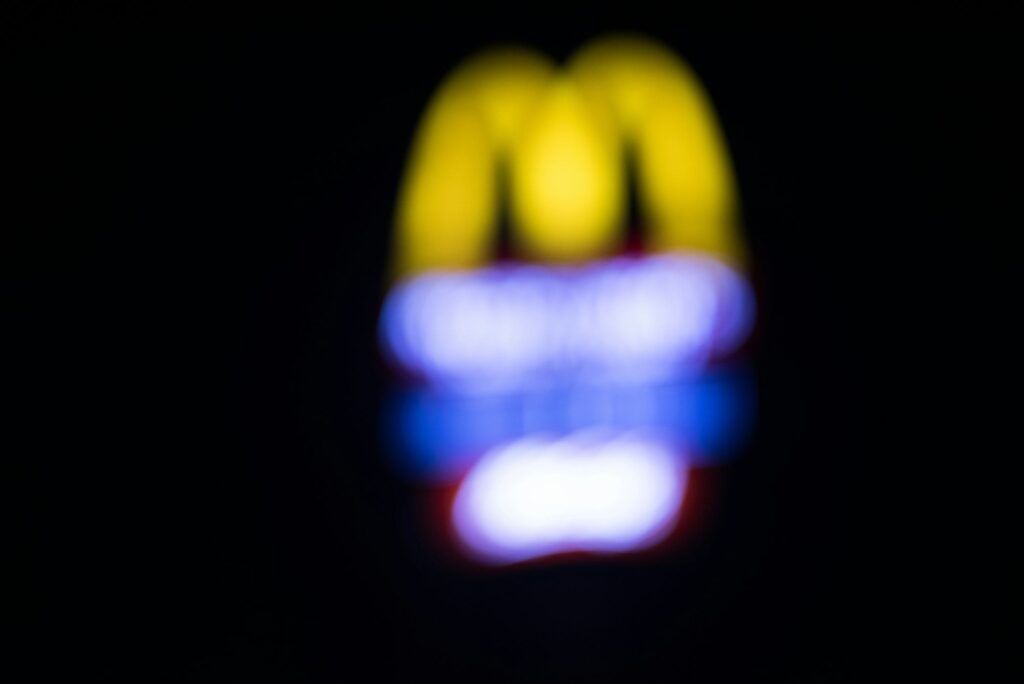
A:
(687, 192)
(567, 179)
(448, 202)
(564, 136)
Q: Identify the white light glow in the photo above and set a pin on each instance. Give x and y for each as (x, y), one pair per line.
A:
(587, 492)
(517, 324)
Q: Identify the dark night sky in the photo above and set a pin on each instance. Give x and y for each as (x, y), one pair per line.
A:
(192, 284)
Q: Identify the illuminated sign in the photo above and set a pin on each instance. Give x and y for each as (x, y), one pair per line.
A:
(566, 392)
(588, 492)
(528, 324)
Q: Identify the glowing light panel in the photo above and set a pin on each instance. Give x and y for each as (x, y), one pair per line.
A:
(560, 133)
(588, 493)
(440, 434)
(569, 391)
(515, 325)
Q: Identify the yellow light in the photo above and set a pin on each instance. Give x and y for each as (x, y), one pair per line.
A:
(449, 200)
(564, 138)
(567, 178)
(687, 193)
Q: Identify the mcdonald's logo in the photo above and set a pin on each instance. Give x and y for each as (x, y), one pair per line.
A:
(555, 144)
(567, 389)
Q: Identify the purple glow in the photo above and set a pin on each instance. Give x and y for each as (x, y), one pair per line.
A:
(589, 492)
(517, 325)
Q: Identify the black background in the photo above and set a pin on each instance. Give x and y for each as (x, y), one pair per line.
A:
(193, 283)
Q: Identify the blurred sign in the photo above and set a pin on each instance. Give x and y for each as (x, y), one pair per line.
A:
(565, 395)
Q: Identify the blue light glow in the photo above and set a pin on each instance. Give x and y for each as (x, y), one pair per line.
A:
(587, 493)
(515, 326)
(437, 435)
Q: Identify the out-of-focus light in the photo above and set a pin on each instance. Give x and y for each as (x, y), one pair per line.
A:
(515, 325)
(686, 193)
(571, 390)
(585, 493)
(562, 134)
(449, 202)
(569, 201)
(436, 436)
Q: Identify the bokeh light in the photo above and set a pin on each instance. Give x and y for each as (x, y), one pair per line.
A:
(563, 393)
